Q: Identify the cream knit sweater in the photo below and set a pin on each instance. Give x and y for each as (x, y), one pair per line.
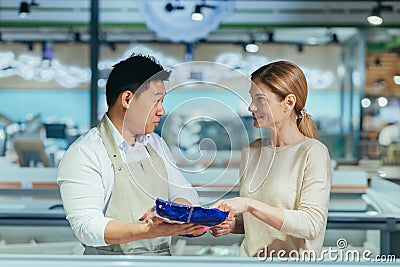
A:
(295, 178)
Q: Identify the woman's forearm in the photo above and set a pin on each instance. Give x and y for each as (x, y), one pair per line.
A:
(266, 213)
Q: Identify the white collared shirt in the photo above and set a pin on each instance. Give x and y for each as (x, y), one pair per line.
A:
(86, 180)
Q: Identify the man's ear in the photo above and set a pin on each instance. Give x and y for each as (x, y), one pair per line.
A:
(126, 98)
(290, 102)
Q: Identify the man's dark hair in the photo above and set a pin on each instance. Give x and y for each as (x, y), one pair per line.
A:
(133, 73)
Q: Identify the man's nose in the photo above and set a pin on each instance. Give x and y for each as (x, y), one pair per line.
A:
(160, 109)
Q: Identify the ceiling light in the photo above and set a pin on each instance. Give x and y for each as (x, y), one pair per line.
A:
(365, 102)
(300, 48)
(33, 3)
(252, 47)
(23, 9)
(396, 79)
(312, 41)
(197, 15)
(170, 7)
(335, 39)
(382, 101)
(270, 37)
(77, 37)
(375, 17)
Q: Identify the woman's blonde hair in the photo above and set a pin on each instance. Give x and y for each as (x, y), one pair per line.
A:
(284, 78)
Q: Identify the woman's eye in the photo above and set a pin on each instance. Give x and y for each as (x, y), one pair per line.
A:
(260, 99)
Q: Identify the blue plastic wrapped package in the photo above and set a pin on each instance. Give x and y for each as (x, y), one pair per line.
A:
(189, 214)
(172, 212)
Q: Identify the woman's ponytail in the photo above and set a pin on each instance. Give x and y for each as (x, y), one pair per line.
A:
(307, 126)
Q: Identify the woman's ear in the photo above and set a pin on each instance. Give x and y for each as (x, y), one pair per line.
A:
(126, 98)
(290, 101)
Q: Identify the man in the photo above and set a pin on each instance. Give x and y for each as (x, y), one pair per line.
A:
(111, 175)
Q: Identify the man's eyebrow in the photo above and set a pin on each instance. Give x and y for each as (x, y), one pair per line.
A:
(160, 93)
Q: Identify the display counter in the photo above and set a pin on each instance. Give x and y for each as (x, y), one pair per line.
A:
(355, 204)
(154, 261)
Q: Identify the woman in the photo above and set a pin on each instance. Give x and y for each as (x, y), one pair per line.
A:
(286, 179)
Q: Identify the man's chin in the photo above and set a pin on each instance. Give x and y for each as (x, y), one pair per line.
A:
(149, 130)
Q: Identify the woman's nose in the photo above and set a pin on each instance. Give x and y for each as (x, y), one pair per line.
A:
(251, 107)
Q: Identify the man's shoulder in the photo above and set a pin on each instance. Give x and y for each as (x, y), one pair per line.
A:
(91, 137)
(88, 143)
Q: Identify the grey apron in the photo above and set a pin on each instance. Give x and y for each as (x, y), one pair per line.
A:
(136, 185)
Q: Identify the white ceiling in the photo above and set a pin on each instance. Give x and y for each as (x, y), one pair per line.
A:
(291, 21)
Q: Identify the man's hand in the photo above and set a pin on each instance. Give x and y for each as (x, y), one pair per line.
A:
(157, 227)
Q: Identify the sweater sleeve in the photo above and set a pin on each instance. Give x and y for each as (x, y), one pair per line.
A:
(309, 217)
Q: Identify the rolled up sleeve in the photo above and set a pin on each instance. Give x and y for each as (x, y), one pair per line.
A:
(83, 196)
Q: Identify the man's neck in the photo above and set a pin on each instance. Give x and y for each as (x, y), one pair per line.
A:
(118, 123)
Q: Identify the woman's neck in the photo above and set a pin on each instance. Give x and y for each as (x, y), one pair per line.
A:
(285, 135)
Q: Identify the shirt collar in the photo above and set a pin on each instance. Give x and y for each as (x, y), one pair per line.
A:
(141, 139)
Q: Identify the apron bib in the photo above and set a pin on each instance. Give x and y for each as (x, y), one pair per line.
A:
(136, 185)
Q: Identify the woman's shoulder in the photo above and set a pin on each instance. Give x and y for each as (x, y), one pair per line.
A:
(309, 144)
(256, 143)
(315, 143)
(260, 142)
(315, 147)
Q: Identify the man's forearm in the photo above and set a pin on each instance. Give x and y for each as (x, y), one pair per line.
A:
(117, 232)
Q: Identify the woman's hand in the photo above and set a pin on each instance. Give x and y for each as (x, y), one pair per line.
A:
(233, 206)
(223, 228)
